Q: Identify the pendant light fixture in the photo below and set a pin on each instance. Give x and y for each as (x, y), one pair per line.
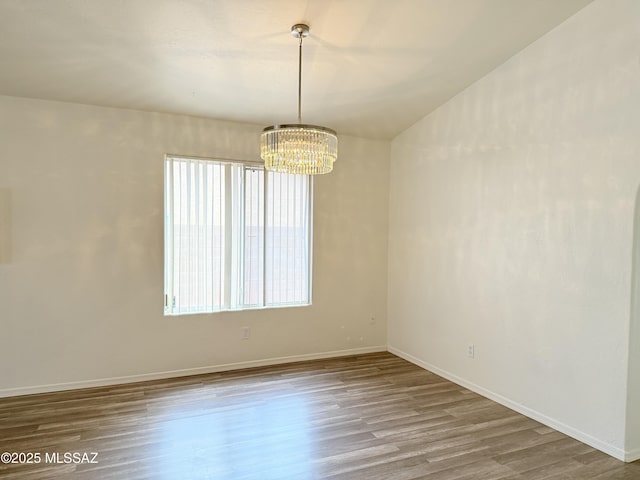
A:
(299, 148)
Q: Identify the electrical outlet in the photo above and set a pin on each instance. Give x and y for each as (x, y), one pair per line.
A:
(471, 350)
(246, 333)
(373, 320)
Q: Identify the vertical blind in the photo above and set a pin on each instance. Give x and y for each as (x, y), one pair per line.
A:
(236, 237)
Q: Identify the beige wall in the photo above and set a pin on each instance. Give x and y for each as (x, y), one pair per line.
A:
(511, 225)
(632, 434)
(82, 291)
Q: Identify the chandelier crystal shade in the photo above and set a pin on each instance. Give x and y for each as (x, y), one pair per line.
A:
(299, 148)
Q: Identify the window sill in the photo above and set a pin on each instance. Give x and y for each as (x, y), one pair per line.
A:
(236, 310)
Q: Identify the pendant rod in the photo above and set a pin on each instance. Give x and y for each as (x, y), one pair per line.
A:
(300, 81)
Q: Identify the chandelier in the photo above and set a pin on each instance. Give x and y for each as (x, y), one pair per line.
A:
(299, 148)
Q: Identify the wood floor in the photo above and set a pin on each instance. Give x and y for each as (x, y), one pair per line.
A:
(370, 417)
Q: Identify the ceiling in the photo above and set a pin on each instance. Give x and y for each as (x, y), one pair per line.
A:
(370, 68)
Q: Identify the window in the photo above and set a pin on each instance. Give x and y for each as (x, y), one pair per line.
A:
(236, 237)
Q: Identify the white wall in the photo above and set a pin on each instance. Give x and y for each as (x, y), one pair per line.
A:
(82, 291)
(632, 438)
(511, 224)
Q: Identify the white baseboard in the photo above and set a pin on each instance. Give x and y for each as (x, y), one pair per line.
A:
(102, 382)
(632, 455)
(605, 447)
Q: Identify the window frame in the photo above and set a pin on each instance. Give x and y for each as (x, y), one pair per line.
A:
(169, 250)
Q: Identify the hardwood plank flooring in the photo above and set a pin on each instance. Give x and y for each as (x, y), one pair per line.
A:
(368, 417)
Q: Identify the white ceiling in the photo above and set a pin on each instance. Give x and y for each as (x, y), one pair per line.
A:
(371, 67)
